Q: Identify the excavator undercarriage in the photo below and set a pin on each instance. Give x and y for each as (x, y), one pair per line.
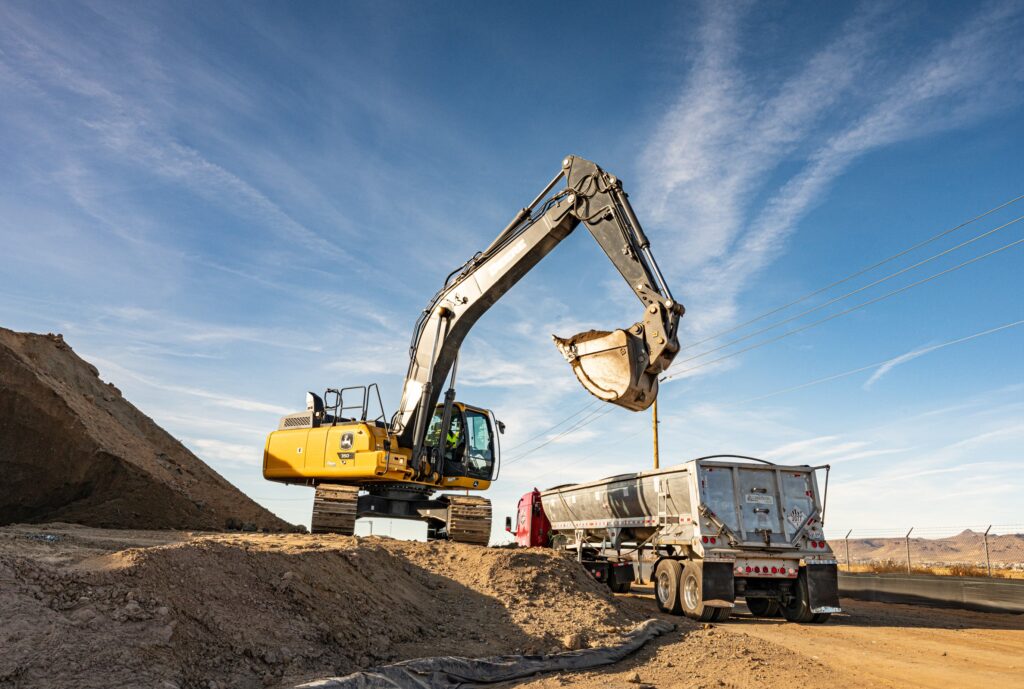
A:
(459, 518)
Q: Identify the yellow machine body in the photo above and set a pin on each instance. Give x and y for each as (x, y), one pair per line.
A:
(349, 453)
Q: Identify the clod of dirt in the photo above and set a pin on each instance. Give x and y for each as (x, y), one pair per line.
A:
(74, 450)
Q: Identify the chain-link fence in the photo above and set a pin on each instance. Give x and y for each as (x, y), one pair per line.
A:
(995, 550)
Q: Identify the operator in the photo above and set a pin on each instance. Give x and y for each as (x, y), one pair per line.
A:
(454, 440)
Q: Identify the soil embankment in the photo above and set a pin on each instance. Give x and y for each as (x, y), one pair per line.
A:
(99, 608)
(72, 449)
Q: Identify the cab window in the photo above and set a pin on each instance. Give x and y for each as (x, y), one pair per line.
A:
(480, 447)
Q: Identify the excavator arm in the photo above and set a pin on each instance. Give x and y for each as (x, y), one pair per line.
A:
(620, 366)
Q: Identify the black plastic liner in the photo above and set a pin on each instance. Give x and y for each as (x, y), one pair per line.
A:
(450, 672)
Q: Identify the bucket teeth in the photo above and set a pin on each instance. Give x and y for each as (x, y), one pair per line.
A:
(612, 366)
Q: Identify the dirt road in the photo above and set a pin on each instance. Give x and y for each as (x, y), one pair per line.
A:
(870, 645)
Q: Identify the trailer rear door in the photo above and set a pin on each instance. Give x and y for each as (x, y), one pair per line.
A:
(756, 502)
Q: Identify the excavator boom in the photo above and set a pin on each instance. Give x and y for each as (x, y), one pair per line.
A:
(620, 366)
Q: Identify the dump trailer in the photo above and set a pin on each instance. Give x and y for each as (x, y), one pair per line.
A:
(705, 533)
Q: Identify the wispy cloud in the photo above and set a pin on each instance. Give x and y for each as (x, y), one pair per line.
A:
(131, 131)
(893, 363)
(719, 147)
(222, 400)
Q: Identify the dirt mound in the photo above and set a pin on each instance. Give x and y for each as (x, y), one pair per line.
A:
(75, 450)
(252, 610)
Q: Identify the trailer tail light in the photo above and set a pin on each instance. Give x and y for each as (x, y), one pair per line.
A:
(703, 539)
(775, 570)
(821, 544)
(748, 569)
(814, 544)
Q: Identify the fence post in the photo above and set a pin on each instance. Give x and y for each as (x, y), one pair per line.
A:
(908, 548)
(988, 560)
(847, 539)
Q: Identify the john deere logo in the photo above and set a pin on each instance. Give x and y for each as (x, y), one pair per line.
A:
(346, 441)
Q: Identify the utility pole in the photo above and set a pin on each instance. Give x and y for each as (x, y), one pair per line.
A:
(654, 424)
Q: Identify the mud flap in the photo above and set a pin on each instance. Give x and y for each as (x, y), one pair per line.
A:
(718, 585)
(612, 366)
(823, 588)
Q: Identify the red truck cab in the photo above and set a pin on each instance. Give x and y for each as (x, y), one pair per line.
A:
(532, 526)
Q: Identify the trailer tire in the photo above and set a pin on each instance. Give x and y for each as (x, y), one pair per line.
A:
(763, 607)
(623, 587)
(691, 594)
(667, 576)
(721, 614)
(798, 607)
(820, 617)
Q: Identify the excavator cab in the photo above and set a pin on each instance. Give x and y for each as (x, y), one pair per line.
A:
(469, 446)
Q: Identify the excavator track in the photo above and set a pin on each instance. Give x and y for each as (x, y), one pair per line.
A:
(469, 519)
(334, 509)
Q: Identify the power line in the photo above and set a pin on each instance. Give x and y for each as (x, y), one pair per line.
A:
(858, 273)
(551, 428)
(834, 300)
(590, 418)
(818, 381)
(844, 374)
(805, 297)
(844, 312)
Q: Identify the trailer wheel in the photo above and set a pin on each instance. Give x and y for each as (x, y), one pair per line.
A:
(621, 587)
(666, 586)
(763, 607)
(692, 594)
(820, 617)
(721, 614)
(798, 607)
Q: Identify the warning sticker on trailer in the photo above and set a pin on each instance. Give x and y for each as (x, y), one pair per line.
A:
(796, 517)
(760, 499)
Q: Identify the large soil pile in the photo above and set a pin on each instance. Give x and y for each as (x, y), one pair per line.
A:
(73, 449)
(82, 609)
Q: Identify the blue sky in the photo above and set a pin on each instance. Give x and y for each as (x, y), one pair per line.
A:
(224, 205)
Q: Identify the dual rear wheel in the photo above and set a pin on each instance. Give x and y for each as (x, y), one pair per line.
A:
(678, 589)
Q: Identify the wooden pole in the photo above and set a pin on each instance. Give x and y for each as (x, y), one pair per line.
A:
(654, 424)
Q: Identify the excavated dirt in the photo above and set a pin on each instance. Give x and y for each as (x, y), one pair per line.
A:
(84, 607)
(87, 607)
(72, 449)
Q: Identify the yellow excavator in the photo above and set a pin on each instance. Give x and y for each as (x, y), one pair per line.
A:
(363, 464)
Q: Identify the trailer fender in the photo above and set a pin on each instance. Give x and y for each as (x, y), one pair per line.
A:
(823, 588)
(719, 587)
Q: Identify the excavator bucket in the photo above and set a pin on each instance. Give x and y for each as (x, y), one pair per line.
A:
(612, 366)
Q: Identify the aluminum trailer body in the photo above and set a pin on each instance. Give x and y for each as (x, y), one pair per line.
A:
(708, 531)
